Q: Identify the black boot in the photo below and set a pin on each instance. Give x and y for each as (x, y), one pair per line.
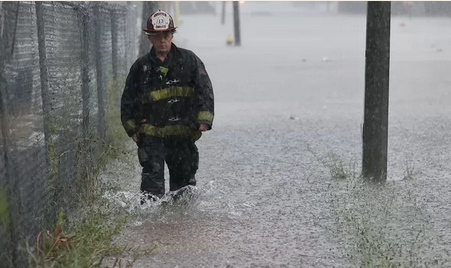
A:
(152, 187)
(148, 196)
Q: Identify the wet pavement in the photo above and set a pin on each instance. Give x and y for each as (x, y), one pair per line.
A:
(289, 103)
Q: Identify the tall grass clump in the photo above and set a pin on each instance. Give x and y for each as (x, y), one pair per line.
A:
(381, 224)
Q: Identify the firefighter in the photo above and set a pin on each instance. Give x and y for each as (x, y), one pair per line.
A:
(166, 104)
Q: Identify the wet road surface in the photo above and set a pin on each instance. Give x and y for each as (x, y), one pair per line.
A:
(289, 105)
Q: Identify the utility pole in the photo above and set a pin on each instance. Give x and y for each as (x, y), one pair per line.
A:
(223, 12)
(177, 13)
(236, 23)
(377, 66)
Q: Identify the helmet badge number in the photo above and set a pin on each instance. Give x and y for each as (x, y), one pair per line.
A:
(160, 21)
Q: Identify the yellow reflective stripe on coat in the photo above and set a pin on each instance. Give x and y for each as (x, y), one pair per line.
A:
(170, 131)
(167, 93)
(164, 70)
(205, 116)
(129, 125)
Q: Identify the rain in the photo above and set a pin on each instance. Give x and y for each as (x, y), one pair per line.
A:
(279, 181)
(279, 177)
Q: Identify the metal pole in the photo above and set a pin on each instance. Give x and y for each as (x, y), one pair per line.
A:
(46, 106)
(45, 91)
(223, 12)
(236, 23)
(149, 7)
(86, 95)
(101, 99)
(375, 127)
(177, 13)
(131, 34)
(114, 46)
(7, 184)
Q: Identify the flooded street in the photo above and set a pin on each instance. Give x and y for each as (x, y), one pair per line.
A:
(288, 116)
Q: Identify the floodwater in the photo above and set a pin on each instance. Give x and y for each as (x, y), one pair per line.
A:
(289, 112)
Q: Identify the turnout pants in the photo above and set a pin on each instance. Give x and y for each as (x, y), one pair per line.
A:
(179, 153)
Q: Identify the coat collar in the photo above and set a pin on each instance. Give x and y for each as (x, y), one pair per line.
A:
(174, 54)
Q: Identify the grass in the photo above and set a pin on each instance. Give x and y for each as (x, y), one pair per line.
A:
(380, 225)
(86, 240)
(338, 168)
(83, 245)
(410, 172)
(5, 224)
(370, 220)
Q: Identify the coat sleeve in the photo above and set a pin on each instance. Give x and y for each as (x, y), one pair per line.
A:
(129, 102)
(204, 91)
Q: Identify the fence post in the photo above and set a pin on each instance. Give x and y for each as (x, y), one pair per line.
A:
(85, 71)
(99, 70)
(130, 35)
(46, 106)
(8, 183)
(8, 242)
(13, 231)
(115, 52)
(114, 42)
(46, 102)
(2, 24)
(149, 7)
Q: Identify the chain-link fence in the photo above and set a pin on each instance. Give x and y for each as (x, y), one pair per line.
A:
(60, 64)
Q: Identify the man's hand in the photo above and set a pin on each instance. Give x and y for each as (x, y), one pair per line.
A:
(135, 137)
(203, 127)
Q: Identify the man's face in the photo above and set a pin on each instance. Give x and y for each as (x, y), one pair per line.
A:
(161, 42)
